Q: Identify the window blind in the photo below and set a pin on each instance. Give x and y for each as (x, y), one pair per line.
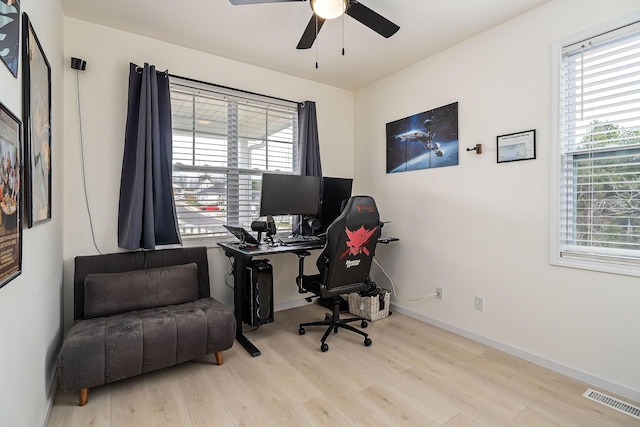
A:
(223, 140)
(600, 148)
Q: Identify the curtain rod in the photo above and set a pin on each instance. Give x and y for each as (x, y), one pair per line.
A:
(165, 72)
(231, 88)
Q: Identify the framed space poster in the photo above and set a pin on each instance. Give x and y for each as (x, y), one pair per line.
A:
(10, 34)
(423, 141)
(37, 126)
(10, 199)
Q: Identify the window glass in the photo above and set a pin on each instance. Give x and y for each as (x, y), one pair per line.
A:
(598, 128)
(223, 140)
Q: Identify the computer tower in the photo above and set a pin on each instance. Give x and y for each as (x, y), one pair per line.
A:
(258, 293)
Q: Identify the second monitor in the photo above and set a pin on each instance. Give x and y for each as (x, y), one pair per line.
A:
(307, 196)
(334, 192)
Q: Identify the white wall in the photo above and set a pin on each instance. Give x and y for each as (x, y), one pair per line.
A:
(482, 228)
(103, 94)
(31, 304)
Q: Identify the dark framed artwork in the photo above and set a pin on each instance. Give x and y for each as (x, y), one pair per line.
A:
(423, 141)
(517, 146)
(37, 126)
(10, 34)
(10, 196)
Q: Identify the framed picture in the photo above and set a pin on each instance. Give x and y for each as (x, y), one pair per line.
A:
(37, 126)
(10, 196)
(423, 141)
(517, 146)
(10, 34)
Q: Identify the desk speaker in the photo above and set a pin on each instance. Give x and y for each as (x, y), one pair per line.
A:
(258, 293)
(310, 226)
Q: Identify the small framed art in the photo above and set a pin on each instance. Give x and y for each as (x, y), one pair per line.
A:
(517, 146)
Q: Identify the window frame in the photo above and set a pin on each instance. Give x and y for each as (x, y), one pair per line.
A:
(608, 261)
(232, 139)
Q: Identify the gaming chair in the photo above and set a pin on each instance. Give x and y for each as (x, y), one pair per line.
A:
(344, 263)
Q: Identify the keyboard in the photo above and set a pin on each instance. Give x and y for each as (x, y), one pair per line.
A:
(299, 240)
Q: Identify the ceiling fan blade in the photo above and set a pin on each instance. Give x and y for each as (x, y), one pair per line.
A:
(240, 2)
(309, 35)
(371, 19)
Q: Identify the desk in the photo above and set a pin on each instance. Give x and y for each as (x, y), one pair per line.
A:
(242, 256)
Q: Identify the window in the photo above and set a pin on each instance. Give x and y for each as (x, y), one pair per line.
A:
(597, 206)
(223, 140)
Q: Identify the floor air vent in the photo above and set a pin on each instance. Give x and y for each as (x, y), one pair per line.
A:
(612, 402)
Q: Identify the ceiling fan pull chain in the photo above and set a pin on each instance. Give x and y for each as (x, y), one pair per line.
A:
(316, 16)
(343, 34)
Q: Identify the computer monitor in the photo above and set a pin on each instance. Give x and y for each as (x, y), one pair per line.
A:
(334, 192)
(289, 195)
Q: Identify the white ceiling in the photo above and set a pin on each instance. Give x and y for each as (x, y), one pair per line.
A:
(266, 35)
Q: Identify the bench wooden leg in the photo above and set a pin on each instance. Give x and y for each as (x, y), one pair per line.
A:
(218, 357)
(84, 396)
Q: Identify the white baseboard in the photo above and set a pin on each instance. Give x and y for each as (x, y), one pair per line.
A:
(51, 397)
(594, 381)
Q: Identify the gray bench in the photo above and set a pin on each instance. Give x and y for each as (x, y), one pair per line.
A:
(137, 312)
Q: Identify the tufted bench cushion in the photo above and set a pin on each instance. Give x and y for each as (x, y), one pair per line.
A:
(106, 349)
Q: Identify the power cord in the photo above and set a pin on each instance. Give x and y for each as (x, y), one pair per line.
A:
(84, 177)
(229, 279)
(393, 287)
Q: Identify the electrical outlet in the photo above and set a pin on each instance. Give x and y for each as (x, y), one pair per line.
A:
(440, 293)
(480, 303)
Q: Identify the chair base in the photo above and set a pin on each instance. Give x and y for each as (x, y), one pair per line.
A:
(334, 322)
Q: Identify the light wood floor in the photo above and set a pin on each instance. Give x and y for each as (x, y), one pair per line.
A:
(413, 374)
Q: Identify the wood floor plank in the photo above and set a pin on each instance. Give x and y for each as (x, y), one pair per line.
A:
(413, 374)
(218, 420)
(197, 387)
(463, 420)
(98, 414)
(164, 403)
(324, 412)
(395, 408)
(531, 417)
(375, 419)
(128, 404)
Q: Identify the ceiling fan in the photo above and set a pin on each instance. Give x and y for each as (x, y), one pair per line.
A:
(329, 9)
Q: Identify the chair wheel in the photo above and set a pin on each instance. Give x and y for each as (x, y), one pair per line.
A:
(324, 347)
(364, 324)
(335, 330)
(301, 330)
(367, 342)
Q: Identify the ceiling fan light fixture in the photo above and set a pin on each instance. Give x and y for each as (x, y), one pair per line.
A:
(329, 9)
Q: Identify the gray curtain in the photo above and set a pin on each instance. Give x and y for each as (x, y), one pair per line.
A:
(309, 145)
(147, 213)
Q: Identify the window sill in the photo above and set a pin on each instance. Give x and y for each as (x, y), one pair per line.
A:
(618, 266)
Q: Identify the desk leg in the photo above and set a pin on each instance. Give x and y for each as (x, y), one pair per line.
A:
(239, 268)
